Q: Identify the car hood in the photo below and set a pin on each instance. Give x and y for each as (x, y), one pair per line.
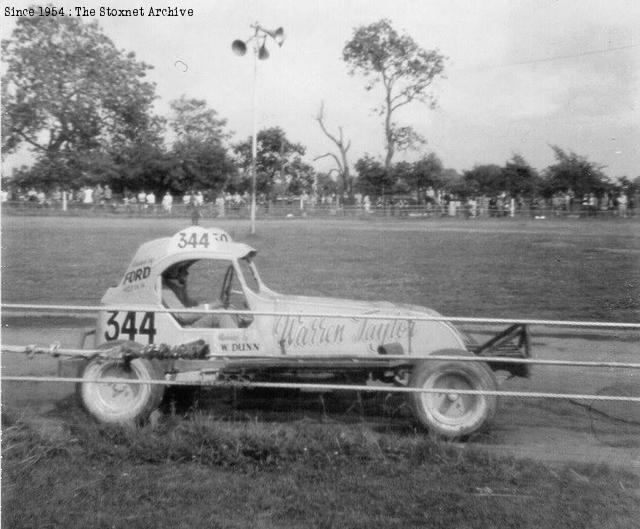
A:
(326, 305)
(434, 332)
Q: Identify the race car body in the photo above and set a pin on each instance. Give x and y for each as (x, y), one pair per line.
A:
(212, 255)
(264, 334)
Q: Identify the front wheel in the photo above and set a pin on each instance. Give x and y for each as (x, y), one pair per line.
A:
(120, 402)
(451, 414)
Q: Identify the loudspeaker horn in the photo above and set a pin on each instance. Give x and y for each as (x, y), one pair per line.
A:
(239, 47)
(263, 52)
(276, 34)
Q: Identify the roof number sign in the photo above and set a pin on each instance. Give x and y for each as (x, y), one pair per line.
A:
(193, 240)
(197, 238)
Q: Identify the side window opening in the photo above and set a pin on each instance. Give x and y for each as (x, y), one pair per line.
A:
(205, 284)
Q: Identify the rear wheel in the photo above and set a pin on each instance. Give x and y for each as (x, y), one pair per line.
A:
(120, 402)
(449, 413)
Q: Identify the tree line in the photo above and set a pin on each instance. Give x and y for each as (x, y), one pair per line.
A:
(85, 109)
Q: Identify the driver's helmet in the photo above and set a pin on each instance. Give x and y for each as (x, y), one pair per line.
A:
(178, 271)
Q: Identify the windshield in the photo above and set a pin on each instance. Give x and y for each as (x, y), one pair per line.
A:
(250, 274)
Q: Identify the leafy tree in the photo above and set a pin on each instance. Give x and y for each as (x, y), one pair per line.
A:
(401, 175)
(47, 171)
(454, 184)
(573, 172)
(373, 179)
(325, 185)
(299, 177)
(147, 166)
(277, 161)
(192, 120)
(405, 70)
(629, 186)
(426, 172)
(484, 180)
(520, 179)
(199, 149)
(70, 92)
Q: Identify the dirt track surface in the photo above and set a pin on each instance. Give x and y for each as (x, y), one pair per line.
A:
(553, 430)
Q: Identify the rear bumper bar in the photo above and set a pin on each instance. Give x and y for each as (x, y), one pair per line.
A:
(513, 342)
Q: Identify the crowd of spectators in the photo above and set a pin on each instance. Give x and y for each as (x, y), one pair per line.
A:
(431, 203)
(561, 204)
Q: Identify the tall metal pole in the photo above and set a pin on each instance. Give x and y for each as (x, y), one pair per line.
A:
(259, 52)
(254, 140)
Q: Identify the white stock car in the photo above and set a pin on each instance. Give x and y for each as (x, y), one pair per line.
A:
(361, 344)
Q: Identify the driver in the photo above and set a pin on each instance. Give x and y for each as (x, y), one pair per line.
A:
(175, 296)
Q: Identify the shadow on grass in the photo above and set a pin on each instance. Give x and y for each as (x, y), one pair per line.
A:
(382, 412)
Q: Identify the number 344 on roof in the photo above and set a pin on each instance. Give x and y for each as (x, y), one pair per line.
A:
(198, 238)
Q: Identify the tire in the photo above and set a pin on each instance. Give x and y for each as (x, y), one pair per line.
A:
(452, 415)
(120, 403)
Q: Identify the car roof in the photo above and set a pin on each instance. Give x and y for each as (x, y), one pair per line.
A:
(153, 257)
(192, 241)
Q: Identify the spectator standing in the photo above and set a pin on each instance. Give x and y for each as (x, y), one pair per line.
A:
(195, 213)
(151, 201)
(473, 207)
(593, 205)
(87, 196)
(483, 206)
(186, 199)
(142, 200)
(108, 195)
(98, 195)
(56, 197)
(167, 202)
(622, 205)
(220, 206)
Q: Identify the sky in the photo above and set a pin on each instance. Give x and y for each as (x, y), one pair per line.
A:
(521, 75)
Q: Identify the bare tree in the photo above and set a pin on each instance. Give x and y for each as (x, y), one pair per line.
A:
(406, 71)
(342, 163)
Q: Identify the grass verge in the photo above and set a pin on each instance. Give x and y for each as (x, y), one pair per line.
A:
(201, 471)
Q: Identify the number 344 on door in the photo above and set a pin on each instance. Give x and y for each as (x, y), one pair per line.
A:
(130, 324)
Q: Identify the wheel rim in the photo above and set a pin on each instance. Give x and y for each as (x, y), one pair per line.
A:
(117, 398)
(452, 408)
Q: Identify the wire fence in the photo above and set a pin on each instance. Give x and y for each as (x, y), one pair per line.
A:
(205, 379)
(94, 309)
(284, 209)
(55, 350)
(323, 387)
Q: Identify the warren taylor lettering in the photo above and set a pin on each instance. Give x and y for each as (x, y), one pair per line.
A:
(382, 332)
(297, 331)
(301, 332)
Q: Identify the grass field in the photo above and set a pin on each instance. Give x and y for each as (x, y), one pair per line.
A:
(210, 473)
(570, 269)
(231, 471)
